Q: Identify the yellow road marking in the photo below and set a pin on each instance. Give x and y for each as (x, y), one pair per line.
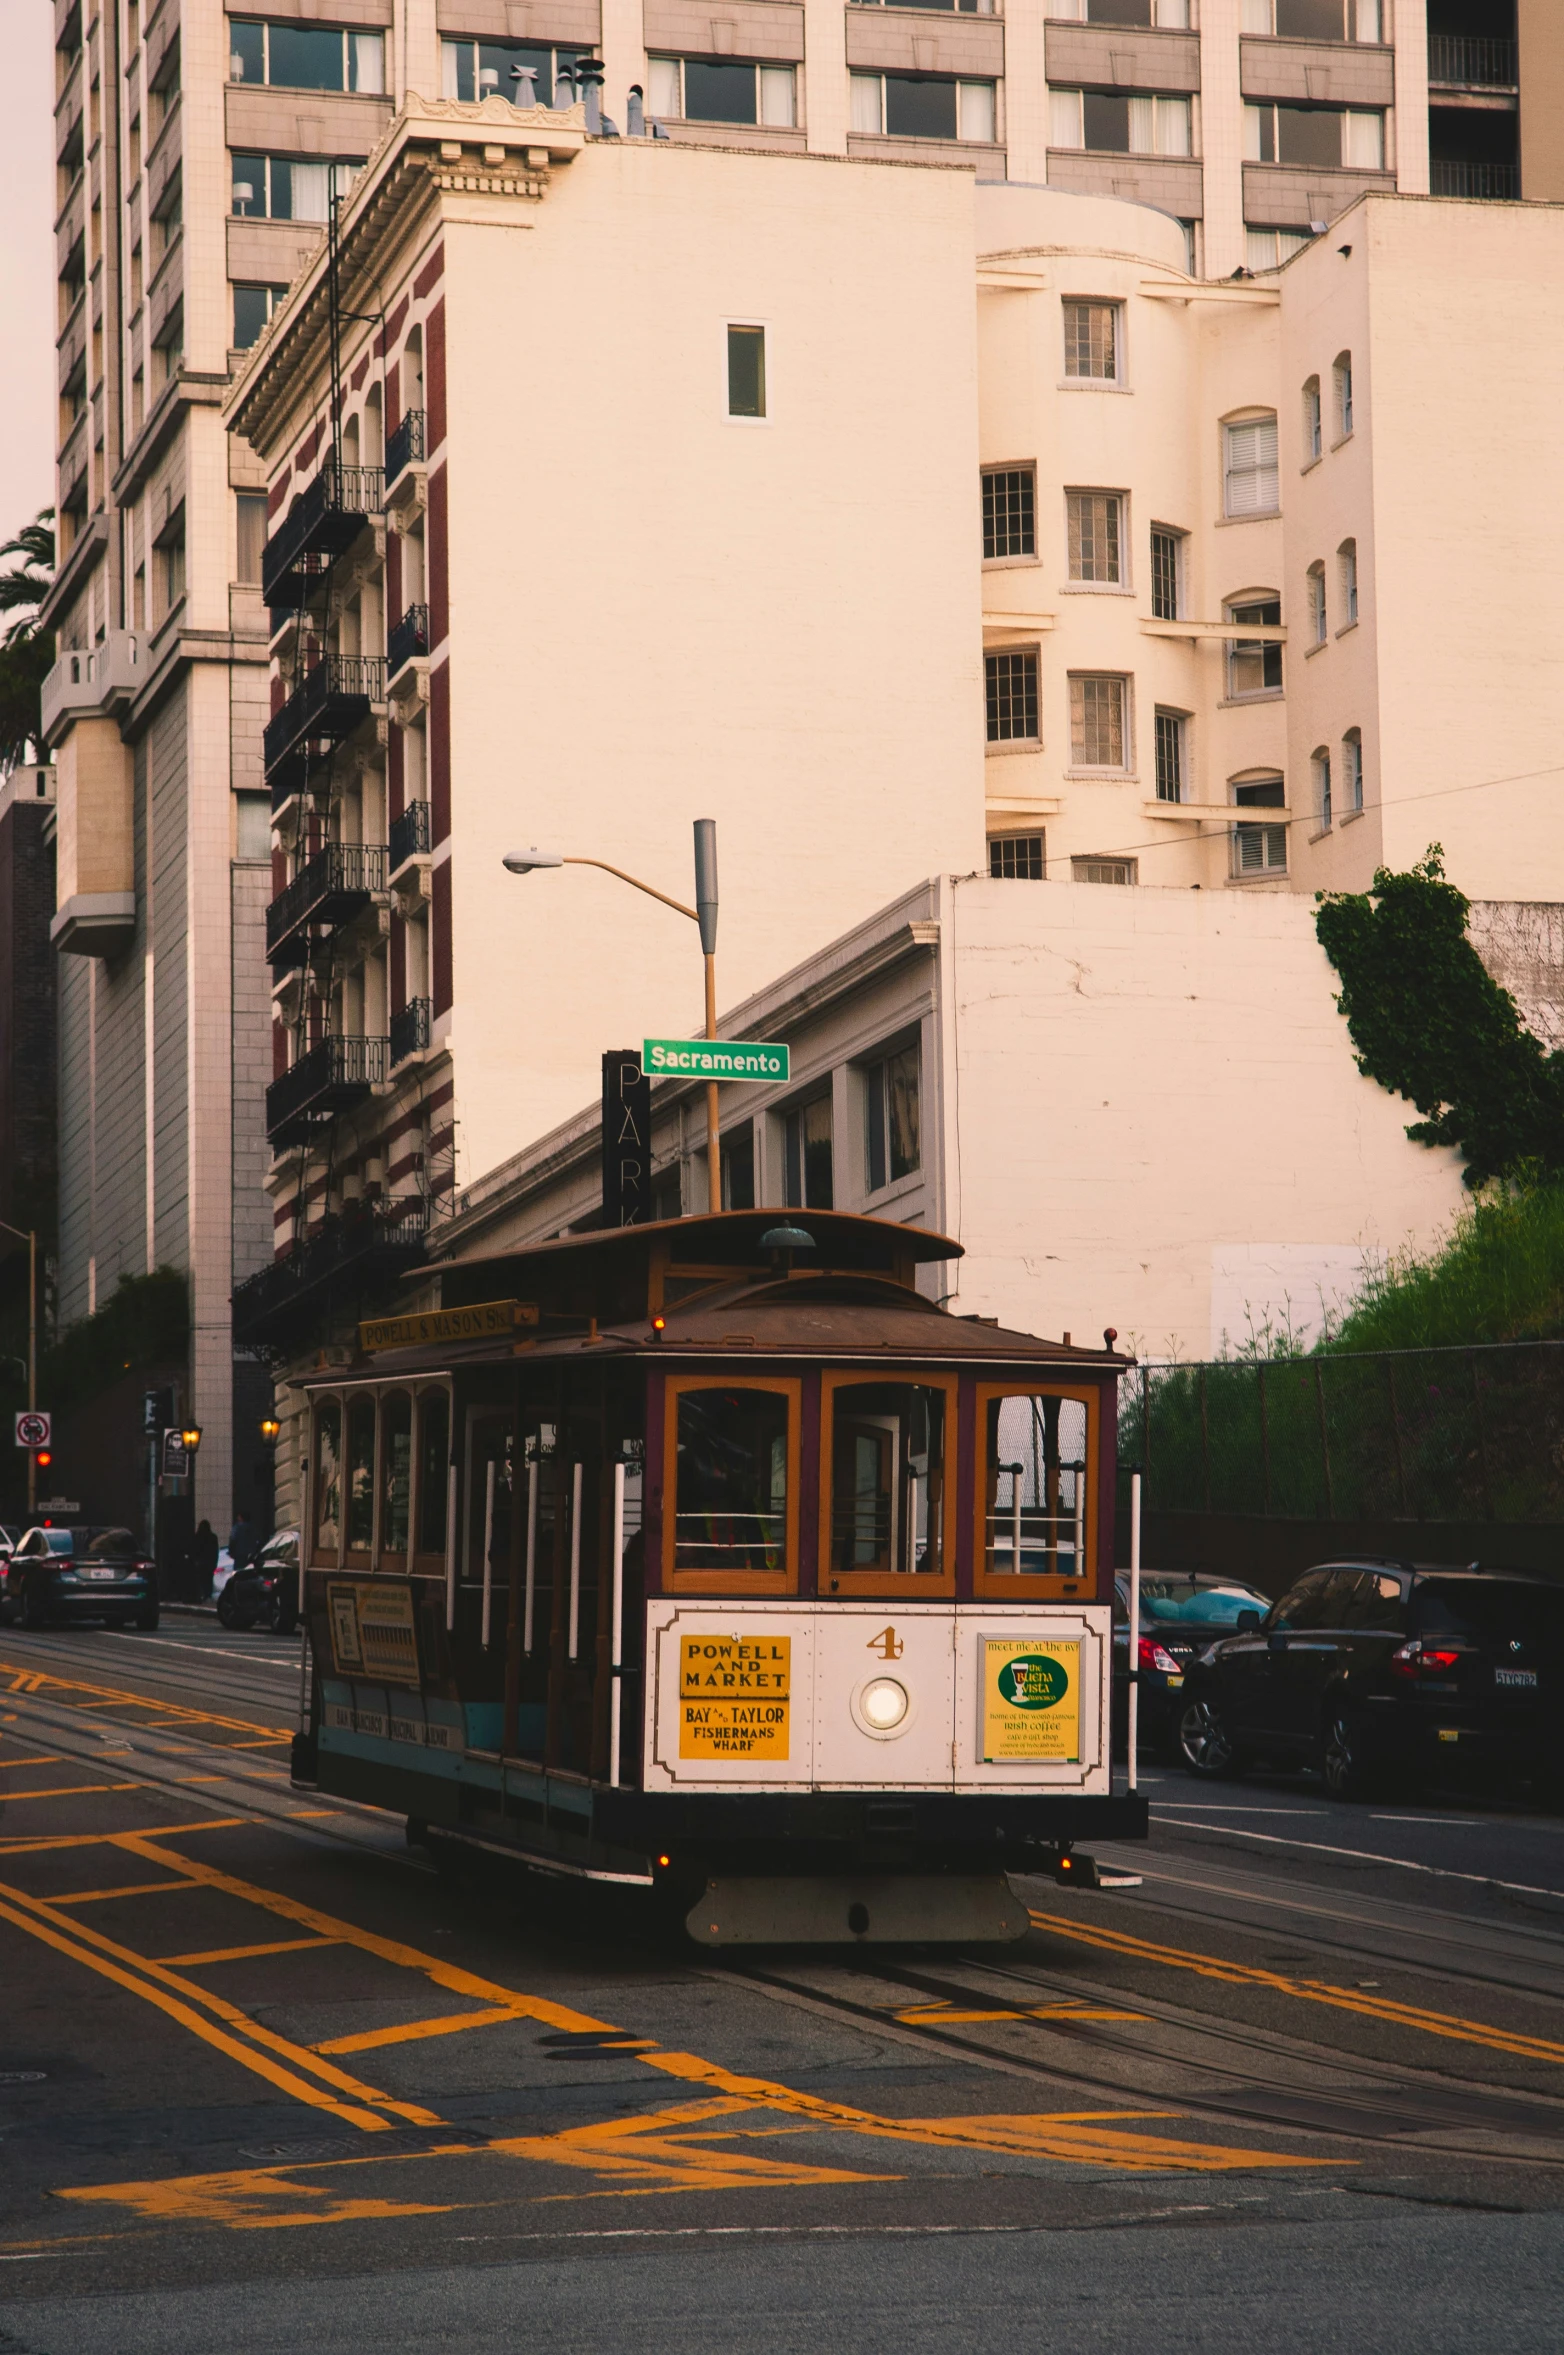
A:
(937, 2015)
(53, 1760)
(219, 1954)
(67, 1791)
(215, 1823)
(173, 1713)
(412, 2031)
(1347, 1999)
(126, 1889)
(152, 1978)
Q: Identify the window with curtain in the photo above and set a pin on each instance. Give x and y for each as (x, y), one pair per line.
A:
(1252, 485)
(1095, 528)
(1091, 340)
(1099, 735)
(808, 1174)
(891, 1117)
(289, 188)
(722, 90)
(306, 56)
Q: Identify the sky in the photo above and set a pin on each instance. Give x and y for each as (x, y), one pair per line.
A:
(26, 261)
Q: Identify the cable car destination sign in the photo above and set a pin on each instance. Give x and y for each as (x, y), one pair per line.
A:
(714, 1058)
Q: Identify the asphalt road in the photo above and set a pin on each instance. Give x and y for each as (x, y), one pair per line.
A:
(267, 2081)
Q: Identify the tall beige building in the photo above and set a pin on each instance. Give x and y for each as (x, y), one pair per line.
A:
(198, 151)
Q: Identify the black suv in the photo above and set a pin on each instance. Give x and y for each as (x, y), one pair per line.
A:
(1380, 1671)
(265, 1592)
(79, 1573)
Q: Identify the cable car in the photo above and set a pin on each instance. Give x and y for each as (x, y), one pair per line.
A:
(716, 1557)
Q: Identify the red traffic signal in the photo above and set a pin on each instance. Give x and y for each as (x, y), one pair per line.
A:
(43, 1457)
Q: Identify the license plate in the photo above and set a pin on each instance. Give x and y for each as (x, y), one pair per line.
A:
(1526, 1677)
(1449, 1733)
(1174, 1682)
(100, 1574)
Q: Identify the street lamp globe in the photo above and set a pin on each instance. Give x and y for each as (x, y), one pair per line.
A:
(522, 862)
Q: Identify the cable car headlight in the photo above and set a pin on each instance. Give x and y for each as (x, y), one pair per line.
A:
(883, 1704)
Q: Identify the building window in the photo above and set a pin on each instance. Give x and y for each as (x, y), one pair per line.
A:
(1317, 617)
(807, 1155)
(1169, 15)
(1315, 20)
(170, 553)
(1347, 558)
(251, 506)
(1010, 692)
(289, 188)
(1095, 521)
(738, 1169)
(1095, 870)
(746, 372)
(1260, 849)
(1254, 665)
(1099, 735)
(1312, 433)
(253, 307)
(924, 106)
(1322, 800)
(1018, 858)
(1352, 771)
(1091, 341)
(891, 1120)
(966, 7)
(1343, 376)
(306, 57)
(1009, 512)
(1170, 727)
(490, 69)
(1251, 482)
(1267, 249)
(1107, 122)
(253, 827)
(1167, 573)
(1327, 138)
(722, 90)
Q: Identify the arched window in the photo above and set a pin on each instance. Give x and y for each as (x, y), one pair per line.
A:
(396, 1466)
(328, 1479)
(1252, 485)
(360, 1462)
(1347, 558)
(1322, 783)
(1352, 771)
(1343, 377)
(1317, 615)
(1313, 434)
(1254, 665)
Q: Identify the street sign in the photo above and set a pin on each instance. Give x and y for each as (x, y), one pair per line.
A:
(714, 1058)
(34, 1428)
(627, 1140)
(176, 1456)
(59, 1504)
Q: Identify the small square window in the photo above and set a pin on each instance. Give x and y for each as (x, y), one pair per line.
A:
(1010, 688)
(1095, 520)
(746, 372)
(1259, 850)
(1018, 858)
(1009, 512)
(1099, 736)
(1094, 870)
(1091, 340)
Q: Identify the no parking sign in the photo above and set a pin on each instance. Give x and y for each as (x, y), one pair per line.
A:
(33, 1428)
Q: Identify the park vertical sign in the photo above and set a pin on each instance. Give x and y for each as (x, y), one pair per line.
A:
(627, 1140)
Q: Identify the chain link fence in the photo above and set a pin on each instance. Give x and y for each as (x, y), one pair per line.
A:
(1423, 1435)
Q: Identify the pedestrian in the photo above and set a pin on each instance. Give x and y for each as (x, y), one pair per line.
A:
(243, 1539)
(203, 1558)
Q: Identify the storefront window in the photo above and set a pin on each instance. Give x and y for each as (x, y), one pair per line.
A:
(434, 1456)
(730, 1509)
(1036, 1483)
(887, 1477)
(361, 1474)
(396, 1464)
(328, 1478)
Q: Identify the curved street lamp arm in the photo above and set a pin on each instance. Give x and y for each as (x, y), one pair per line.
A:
(676, 904)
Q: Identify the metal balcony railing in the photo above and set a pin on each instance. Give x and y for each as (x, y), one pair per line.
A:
(410, 1030)
(1480, 64)
(333, 699)
(346, 1262)
(406, 444)
(411, 834)
(407, 639)
(324, 520)
(1489, 180)
(330, 1078)
(328, 889)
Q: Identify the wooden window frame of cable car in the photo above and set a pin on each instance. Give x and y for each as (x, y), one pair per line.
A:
(395, 1562)
(1035, 1586)
(730, 1582)
(908, 1586)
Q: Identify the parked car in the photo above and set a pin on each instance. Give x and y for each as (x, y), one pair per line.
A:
(1378, 1672)
(264, 1592)
(1182, 1612)
(84, 1572)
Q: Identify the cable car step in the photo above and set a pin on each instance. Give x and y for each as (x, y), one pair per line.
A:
(888, 1909)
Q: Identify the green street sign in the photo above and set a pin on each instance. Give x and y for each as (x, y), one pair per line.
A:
(714, 1058)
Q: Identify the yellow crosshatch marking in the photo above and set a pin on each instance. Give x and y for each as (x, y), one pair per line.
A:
(243, 1953)
(166, 1713)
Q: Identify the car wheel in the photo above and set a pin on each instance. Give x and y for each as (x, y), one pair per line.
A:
(147, 1620)
(1341, 1758)
(32, 1613)
(1205, 1745)
(225, 1607)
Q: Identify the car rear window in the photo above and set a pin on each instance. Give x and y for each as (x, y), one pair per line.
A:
(1171, 1603)
(59, 1541)
(115, 1545)
(1488, 1610)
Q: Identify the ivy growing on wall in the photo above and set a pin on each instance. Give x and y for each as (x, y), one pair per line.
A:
(1429, 1022)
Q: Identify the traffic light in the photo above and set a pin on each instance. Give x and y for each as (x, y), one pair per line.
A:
(43, 1457)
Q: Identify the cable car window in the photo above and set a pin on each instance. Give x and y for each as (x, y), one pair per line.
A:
(1037, 1486)
(396, 1464)
(434, 1457)
(361, 1474)
(887, 1480)
(731, 1479)
(328, 1478)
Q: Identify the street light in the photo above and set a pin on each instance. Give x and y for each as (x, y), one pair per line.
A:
(703, 914)
(269, 1429)
(30, 1238)
(191, 1435)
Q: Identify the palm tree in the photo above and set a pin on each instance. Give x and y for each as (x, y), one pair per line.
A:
(26, 652)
